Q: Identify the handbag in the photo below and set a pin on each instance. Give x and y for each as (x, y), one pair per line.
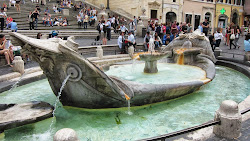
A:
(237, 36)
(232, 37)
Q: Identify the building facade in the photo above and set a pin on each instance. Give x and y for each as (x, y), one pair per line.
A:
(161, 10)
(247, 13)
(196, 11)
(228, 11)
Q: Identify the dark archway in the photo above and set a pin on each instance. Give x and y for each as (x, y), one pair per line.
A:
(170, 17)
(223, 20)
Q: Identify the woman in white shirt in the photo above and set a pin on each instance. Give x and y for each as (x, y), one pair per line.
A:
(218, 36)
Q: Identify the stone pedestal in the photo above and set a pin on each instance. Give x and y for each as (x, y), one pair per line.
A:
(150, 67)
(18, 64)
(131, 51)
(65, 12)
(247, 56)
(144, 20)
(99, 52)
(230, 118)
(217, 52)
(65, 134)
(139, 28)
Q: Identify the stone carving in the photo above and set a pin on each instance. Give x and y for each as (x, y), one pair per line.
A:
(90, 87)
(15, 115)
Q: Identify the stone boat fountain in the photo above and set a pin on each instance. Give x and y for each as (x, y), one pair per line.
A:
(89, 87)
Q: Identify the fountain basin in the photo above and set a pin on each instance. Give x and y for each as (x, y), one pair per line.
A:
(146, 121)
(151, 61)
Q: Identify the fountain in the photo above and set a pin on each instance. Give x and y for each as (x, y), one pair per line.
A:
(89, 87)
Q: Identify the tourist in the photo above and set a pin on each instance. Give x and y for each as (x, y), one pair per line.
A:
(237, 36)
(85, 21)
(157, 41)
(120, 41)
(200, 27)
(31, 20)
(247, 43)
(46, 11)
(135, 21)
(173, 36)
(65, 22)
(6, 50)
(205, 26)
(132, 27)
(123, 28)
(2, 16)
(79, 20)
(189, 28)
(8, 21)
(131, 39)
(163, 28)
(60, 20)
(232, 36)
(56, 21)
(13, 26)
(5, 7)
(228, 34)
(103, 29)
(18, 5)
(174, 28)
(146, 40)
(158, 30)
(39, 35)
(166, 39)
(108, 24)
(212, 41)
(218, 36)
(35, 15)
(184, 28)
(168, 28)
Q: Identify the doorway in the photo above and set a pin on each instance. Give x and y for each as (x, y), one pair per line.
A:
(153, 14)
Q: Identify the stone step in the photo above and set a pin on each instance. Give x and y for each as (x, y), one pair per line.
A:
(109, 57)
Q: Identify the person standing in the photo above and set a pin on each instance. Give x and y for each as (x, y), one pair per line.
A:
(200, 27)
(218, 36)
(108, 29)
(35, 16)
(237, 36)
(31, 20)
(18, 5)
(131, 39)
(205, 26)
(146, 40)
(232, 36)
(132, 27)
(2, 16)
(85, 21)
(174, 28)
(120, 42)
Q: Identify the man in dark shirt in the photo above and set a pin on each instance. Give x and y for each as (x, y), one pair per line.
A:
(184, 28)
(35, 16)
(2, 16)
(205, 26)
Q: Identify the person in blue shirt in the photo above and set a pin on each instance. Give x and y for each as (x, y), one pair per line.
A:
(13, 26)
(200, 27)
(247, 43)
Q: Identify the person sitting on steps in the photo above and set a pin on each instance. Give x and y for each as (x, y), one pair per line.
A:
(6, 50)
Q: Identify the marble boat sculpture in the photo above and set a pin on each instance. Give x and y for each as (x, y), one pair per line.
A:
(89, 87)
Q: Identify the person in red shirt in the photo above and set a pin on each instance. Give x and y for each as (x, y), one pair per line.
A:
(8, 22)
(174, 28)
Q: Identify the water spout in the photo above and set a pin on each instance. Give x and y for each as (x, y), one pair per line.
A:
(58, 99)
(15, 85)
(151, 47)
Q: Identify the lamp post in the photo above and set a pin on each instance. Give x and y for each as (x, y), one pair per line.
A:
(107, 4)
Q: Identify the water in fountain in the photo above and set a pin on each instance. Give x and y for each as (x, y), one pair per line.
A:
(128, 99)
(180, 52)
(57, 100)
(146, 121)
(18, 81)
(151, 47)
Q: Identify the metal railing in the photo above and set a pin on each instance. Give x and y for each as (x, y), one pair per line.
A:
(188, 130)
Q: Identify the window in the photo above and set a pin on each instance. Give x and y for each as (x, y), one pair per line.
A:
(221, 1)
(174, 0)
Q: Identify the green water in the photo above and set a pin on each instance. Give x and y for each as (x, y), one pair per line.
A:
(146, 121)
(167, 73)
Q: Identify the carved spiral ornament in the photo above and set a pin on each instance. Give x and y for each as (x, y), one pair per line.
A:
(74, 71)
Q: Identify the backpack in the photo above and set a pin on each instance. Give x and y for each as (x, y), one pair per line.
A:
(104, 28)
(98, 27)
